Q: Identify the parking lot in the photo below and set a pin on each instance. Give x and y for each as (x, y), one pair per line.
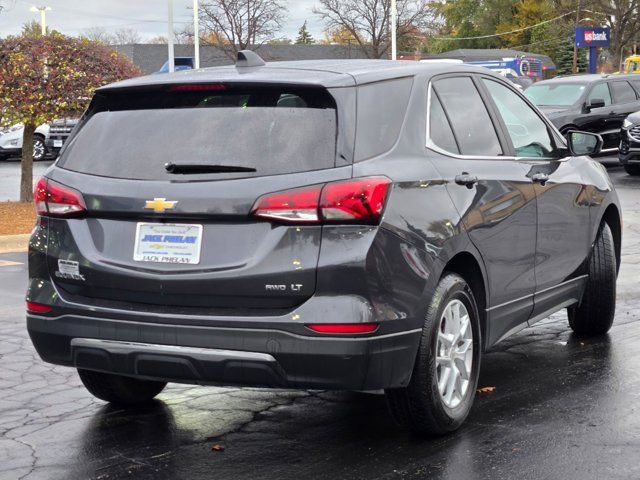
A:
(562, 407)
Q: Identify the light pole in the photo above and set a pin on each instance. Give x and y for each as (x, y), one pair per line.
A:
(394, 26)
(43, 17)
(172, 66)
(196, 33)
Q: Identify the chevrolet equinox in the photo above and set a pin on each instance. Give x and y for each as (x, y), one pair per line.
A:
(354, 224)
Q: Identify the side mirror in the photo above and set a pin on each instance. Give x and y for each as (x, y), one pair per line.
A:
(584, 143)
(595, 103)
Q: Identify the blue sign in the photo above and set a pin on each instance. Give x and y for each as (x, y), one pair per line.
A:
(593, 37)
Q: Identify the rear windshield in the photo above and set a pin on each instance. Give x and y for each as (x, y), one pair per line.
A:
(272, 131)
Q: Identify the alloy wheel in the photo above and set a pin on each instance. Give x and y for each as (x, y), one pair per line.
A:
(454, 353)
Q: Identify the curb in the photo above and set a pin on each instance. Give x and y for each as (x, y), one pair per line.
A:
(14, 243)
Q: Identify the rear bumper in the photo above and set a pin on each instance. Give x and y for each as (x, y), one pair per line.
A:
(224, 355)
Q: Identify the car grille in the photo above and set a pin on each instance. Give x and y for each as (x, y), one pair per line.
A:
(634, 133)
(60, 130)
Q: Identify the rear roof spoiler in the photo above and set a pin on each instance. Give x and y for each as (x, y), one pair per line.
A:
(247, 58)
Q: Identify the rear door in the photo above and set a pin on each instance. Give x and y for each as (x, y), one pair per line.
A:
(492, 193)
(183, 236)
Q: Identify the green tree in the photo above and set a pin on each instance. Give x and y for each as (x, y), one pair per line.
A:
(564, 59)
(33, 29)
(43, 78)
(304, 37)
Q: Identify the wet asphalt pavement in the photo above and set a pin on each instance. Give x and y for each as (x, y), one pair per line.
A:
(562, 408)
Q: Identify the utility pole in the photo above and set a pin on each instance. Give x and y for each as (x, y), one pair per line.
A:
(172, 66)
(394, 27)
(575, 48)
(196, 33)
(43, 17)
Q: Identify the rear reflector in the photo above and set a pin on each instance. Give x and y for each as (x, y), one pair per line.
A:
(197, 87)
(360, 200)
(56, 200)
(343, 327)
(38, 307)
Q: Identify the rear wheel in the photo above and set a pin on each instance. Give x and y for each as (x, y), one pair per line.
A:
(632, 169)
(445, 375)
(119, 389)
(594, 315)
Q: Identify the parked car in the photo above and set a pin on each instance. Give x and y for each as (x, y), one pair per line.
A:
(59, 133)
(629, 152)
(207, 228)
(593, 103)
(179, 63)
(11, 142)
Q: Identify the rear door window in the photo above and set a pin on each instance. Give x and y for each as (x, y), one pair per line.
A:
(274, 131)
(470, 120)
(623, 92)
(440, 130)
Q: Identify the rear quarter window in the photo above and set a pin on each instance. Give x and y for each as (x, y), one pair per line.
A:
(381, 110)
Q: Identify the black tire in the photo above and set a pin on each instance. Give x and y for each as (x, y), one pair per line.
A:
(632, 169)
(594, 314)
(119, 389)
(39, 148)
(419, 406)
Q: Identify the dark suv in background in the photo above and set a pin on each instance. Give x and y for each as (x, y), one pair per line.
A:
(629, 153)
(591, 103)
(353, 224)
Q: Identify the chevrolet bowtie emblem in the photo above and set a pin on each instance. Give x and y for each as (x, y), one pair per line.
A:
(159, 205)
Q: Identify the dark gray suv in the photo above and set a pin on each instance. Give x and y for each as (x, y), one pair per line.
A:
(353, 224)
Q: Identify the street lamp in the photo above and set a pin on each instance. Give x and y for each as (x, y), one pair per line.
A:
(43, 17)
(170, 38)
(196, 34)
(394, 22)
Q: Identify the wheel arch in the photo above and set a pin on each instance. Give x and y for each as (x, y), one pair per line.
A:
(471, 269)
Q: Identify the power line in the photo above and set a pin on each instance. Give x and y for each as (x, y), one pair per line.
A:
(507, 33)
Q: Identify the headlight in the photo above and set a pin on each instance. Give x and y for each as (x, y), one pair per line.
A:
(627, 123)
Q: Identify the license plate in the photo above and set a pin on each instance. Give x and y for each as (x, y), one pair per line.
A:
(57, 143)
(168, 243)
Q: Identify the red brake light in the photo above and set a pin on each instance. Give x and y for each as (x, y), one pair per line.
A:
(54, 199)
(360, 200)
(299, 205)
(343, 328)
(38, 307)
(197, 87)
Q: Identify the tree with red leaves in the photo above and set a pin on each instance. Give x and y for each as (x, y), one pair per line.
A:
(44, 78)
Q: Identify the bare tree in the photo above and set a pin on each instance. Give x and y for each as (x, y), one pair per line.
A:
(159, 40)
(98, 34)
(624, 20)
(240, 24)
(368, 20)
(125, 36)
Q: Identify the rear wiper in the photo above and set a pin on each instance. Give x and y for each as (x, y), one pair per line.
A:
(194, 168)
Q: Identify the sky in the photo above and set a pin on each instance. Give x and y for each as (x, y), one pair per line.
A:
(148, 17)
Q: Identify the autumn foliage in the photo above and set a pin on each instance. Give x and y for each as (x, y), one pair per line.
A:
(44, 78)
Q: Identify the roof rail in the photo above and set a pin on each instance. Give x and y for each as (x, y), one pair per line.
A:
(247, 58)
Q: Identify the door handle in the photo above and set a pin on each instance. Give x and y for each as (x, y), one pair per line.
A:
(540, 178)
(466, 179)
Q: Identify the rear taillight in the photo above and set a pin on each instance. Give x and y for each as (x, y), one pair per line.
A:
(56, 200)
(34, 307)
(360, 200)
(343, 328)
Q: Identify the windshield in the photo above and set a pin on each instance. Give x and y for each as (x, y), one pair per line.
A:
(280, 134)
(556, 94)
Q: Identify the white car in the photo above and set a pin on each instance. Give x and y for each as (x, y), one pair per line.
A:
(11, 141)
